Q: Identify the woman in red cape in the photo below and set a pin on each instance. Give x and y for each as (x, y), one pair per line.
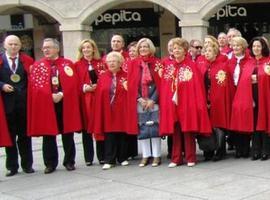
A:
(187, 92)
(143, 86)
(236, 64)
(110, 111)
(219, 90)
(5, 140)
(89, 66)
(251, 106)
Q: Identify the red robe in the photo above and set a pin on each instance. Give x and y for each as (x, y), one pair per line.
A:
(87, 99)
(41, 112)
(191, 102)
(166, 105)
(110, 117)
(4, 133)
(221, 90)
(134, 76)
(242, 118)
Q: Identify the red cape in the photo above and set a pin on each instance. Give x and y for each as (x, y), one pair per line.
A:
(4, 133)
(242, 119)
(191, 108)
(221, 91)
(87, 99)
(110, 117)
(134, 76)
(41, 112)
(166, 105)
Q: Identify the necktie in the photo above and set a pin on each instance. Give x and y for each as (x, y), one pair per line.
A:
(113, 89)
(13, 65)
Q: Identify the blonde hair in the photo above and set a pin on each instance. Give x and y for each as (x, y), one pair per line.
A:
(181, 42)
(93, 44)
(117, 55)
(214, 46)
(150, 44)
(240, 41)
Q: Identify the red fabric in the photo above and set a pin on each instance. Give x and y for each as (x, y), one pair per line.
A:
(41, 113)
(220, 92)
(225, 50)
(242, 118)
(4, 132)
(166, 105)
(110, 117)
(134, 76)
(146, 79)
(87, 100)
(191, 109)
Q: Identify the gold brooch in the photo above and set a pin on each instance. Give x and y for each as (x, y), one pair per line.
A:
(68, 71)
(267, 69)
(221, 76)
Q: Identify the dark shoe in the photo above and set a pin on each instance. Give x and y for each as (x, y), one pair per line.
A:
(230, 147)
(217, 158)
(11, 173)
(88, 164)
(255, 157)
(101, 162)
(70, 167)
(238, 155)
(49, 170)
(29, 170)
(264, 157)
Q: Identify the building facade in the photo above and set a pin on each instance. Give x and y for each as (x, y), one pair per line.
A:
(71, 21)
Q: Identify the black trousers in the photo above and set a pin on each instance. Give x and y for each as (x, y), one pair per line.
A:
(49, 146)
(50, 150)
(116, 146)
(260, 143)
(21, 142)
(100, 149)
(132, 146)
(88, 147)
(242, 144)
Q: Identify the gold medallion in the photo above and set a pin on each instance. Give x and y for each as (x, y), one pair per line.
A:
(68, 71)
(55, 80)
(15, 78)
(267, 69)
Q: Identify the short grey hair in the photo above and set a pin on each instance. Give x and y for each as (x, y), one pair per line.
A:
(54, 41)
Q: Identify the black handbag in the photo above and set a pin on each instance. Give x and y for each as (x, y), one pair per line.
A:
(148, 122)
(207, 143)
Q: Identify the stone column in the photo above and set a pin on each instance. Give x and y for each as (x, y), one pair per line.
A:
(193, 28)
(72, 35)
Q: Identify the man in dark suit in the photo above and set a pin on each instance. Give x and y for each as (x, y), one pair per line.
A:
(14, 67)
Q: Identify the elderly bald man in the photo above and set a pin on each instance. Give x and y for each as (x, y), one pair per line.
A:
(14, 69)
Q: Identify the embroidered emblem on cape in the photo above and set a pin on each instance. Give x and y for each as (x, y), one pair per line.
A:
(185, 74)
(68, 70)
(39, 76)
(169, 72)
(267, 69)
(221, 77)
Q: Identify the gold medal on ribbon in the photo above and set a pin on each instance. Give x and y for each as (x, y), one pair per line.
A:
(15, 78)
(68, 71)
(55, 80)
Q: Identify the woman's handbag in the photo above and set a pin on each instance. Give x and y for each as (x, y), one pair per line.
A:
(148, 121)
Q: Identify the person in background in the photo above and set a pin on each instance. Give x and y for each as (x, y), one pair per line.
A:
(195, 49)
(89, 67)
(236, 64)
(14, 72)
(223, 43)
(250, 108)
(110, 111)
(53, 105)
(232, 32)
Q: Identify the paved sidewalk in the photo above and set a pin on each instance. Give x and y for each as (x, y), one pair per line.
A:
(230, 179)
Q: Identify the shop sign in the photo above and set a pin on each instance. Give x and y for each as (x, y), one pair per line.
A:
(231, 11)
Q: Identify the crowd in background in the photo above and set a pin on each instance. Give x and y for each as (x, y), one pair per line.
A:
(215, 92)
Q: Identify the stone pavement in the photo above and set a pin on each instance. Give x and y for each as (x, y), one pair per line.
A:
(230, 179)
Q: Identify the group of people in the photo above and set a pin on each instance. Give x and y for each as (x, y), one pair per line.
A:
(215, 91)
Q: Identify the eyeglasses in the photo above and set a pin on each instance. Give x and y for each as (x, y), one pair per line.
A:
(197, 47)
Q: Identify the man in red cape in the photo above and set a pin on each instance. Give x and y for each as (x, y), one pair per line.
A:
(53, 105)
(14, 69)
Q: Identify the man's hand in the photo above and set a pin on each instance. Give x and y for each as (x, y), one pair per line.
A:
(57, 97)
(7, 88)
